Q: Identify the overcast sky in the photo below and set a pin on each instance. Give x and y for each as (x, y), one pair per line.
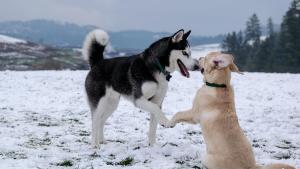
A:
(204, 17)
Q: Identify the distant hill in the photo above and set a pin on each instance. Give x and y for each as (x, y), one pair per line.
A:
(18, 54)
(72, 35)
(46, 32)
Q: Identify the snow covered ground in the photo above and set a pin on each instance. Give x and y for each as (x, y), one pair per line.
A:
(8, 39)
(45, 122)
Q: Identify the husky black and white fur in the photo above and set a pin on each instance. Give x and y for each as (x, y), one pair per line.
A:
(139, 78)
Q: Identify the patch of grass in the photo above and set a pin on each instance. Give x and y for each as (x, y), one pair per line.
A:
(84, 133)
(110, 163)
(95, 155)
(125, 162)
(65, 163)
(44, 125)
(180, 162)
(37, 142)
(171, 144)
(194, 133)
(13, 155)
(136, 148)
(47, 124)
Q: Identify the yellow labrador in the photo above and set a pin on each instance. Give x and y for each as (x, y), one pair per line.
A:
(214, 108)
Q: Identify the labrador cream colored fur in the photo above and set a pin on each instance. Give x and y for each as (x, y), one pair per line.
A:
(214, 108)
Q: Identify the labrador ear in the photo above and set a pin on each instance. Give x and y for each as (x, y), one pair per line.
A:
(178, 36)
(221, 61)
(233, 67)
(186, 35)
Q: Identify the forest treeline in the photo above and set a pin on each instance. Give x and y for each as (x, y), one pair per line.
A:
(278, 51)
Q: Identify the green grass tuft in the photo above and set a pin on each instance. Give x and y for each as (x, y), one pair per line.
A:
(65, 163)
(125, 162)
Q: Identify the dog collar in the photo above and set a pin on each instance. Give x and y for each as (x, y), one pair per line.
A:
(163, 70)
(215, 85)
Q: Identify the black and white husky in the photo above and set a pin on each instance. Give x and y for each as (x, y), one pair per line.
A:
(141, 78)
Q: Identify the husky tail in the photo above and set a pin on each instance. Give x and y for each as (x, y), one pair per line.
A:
(94, 46)
(275, 166)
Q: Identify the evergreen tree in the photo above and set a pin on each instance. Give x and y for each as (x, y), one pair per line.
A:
(233, 43)
(253, 30)
(252, 39)
(229, 43)
(290, 38)
(279, 52)
(270, 27)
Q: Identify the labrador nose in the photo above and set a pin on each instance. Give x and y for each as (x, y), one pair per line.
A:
(216, 62)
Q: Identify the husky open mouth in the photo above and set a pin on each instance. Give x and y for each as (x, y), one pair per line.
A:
(183, 69)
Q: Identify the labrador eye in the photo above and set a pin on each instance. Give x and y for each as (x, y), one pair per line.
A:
(185, 53)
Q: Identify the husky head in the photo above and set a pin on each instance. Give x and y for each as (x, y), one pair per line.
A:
(180, 58)
(173, 53)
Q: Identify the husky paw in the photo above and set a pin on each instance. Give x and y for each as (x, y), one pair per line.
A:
(171, 123)
(166, 123)
(96, 145)
(151, 144)
(163, 121)
(102, 141)
(151, 141)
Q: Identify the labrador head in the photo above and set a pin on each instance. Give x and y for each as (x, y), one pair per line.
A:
(216, 67)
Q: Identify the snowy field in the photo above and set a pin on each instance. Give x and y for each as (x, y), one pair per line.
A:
(45, 123)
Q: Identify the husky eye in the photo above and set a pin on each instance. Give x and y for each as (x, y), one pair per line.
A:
(185, 53)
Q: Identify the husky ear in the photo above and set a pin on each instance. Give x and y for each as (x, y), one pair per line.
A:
(233, 67)
(186, 35)
(178, 36)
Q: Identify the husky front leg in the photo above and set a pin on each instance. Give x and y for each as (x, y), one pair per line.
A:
(157, 99)
(152, 129)
(153, 122)
(153, 108)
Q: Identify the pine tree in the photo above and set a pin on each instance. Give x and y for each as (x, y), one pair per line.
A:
(268, 49)
(279, 52)
(290, 38)
(253, 30)
(270, 27)
(252, 43)
(233, 44)
(229, 43)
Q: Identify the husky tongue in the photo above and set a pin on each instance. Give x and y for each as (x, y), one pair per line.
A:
(183, 69)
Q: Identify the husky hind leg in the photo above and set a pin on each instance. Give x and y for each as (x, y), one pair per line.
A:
(106, 106)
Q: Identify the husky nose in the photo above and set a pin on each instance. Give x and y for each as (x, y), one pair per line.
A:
(196, 65)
